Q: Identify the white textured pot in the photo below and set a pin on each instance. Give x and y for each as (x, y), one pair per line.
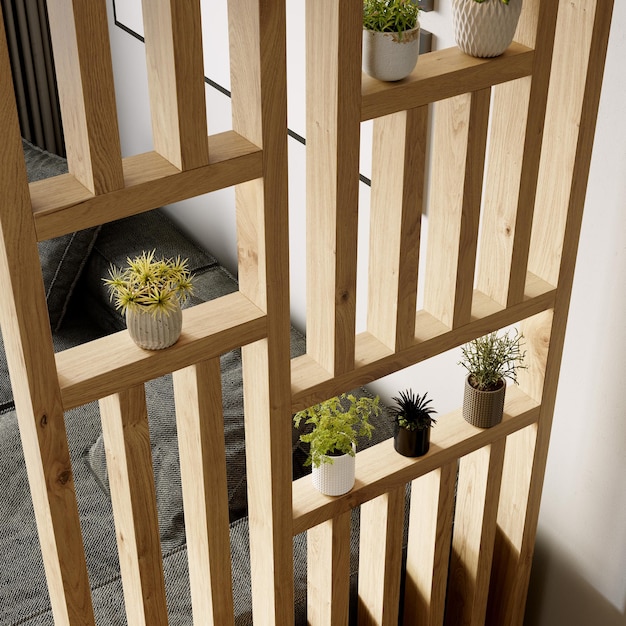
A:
(485, 29)
(336, 478)
(389, 57)
(154, 332)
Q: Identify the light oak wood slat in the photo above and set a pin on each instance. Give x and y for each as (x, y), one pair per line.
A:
(312, 384)
(173, 38)
(428, 548)
(133, 497)
(515, 150)
(333, 43)
(30, 360)
(459, 156)
(398, 165)
(99, 368)
(200, 427)
(480, 475)
(380, 559)
(328, 572)
(259, 100)
(62, 205)
(84, 73)
(440, 75)
(380, 468)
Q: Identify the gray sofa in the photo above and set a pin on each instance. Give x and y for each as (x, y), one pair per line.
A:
(73, 267)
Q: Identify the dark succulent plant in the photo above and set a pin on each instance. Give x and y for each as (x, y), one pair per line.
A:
(412, 411)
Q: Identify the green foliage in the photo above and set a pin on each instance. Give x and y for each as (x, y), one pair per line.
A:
(481, 1)
(492, 358)
(337, 424)
(155, 286)
(389, 16)
(412, 411)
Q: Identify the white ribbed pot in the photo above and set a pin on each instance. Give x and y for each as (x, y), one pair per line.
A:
(389, 56)
(485, 29)
(154, 331)
(336, 478)
(483, 408)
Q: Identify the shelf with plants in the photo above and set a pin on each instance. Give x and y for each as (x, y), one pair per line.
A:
(380, 468)
(62, 204)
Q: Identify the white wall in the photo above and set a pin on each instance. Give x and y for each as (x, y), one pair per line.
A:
(579, 571)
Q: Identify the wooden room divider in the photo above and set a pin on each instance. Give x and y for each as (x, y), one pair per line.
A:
(506, 180)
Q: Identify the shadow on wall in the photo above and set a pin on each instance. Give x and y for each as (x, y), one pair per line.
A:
(560, 596)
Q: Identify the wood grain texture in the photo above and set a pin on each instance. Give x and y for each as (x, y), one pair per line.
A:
(200, 428)
(30, 359)
(133, 497)
(328, 572)
(84, 73)
(173, 38)
(398, 165)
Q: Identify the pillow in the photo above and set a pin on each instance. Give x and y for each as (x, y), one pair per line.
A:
(62, 258)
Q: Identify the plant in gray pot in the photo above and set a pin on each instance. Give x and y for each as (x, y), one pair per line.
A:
(413, 421)
(489, 361)
(390, 38)
(337, 424)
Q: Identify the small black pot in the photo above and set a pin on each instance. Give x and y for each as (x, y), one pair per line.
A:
(411, 442)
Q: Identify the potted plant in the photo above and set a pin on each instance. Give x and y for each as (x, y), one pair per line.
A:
(485, 28)
(489, 361)
(390, 38)
(150, 293)
(337, 425)
(413, 421)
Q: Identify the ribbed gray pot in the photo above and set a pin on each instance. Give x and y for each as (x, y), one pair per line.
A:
(154, 331)
(483, 408)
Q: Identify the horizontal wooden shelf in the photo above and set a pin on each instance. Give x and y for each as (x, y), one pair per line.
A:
(443, 74)
(310, 383)
(102, 367)
(62, 205)
(380, 469)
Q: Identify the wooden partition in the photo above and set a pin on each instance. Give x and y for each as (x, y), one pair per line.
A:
(506, 177)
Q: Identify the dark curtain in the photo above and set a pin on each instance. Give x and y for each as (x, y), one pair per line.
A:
(30, 50)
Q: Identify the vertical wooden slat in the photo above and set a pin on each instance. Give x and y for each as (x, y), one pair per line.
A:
(198, 394)
(328, 572)
(454, 206)
(173, 33)
(82, 56)
(514, 152)
(259, 100)
(131, 481)
(333, 43)
(30, 359)
(428, 549)
(380, 559)
(480, 474)
(398, 164)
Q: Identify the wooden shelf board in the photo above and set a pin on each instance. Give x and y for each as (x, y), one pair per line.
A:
(442, 74)
(61, 204)
(380, 468)
(95, 370)
(310, 383)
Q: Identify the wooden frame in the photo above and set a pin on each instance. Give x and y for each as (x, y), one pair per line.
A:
(510, 112)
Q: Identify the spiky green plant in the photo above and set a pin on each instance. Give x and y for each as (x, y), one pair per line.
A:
(155, 286)
(492, 358)
(412, 411)
(337, 425)
(390, 16)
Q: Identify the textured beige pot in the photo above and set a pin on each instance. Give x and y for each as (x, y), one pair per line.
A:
(154, 332)
(389, 57)
(485, 29)
(483, 408)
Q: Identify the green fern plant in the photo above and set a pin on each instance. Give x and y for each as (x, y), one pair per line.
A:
(492, 358)
(337, 425)
(148, 284)
(390, 16)
(412, 411)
